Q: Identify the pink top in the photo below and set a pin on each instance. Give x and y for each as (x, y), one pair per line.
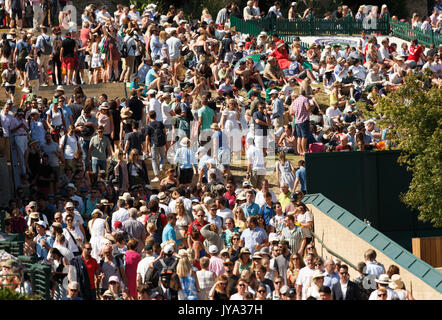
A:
(216, 265)
(105, 121)
(132, 258)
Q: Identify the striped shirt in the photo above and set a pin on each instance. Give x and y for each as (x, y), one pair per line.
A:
(294, 237)
(299, 108)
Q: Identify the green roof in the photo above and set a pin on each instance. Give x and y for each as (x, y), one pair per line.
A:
(378, 240)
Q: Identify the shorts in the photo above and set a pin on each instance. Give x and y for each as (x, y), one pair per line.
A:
(303, 129)
(10, 89)
(69, 63)
(16, 14)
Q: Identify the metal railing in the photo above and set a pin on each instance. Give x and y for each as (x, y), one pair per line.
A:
(345, 26)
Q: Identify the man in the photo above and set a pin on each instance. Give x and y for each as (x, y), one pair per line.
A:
(300, 110)
(304, 277)
(9, 77)
(86, 124)
(99, 150)
(32, 75)
(19, 130)
(17, 8)
(122, 214)
(261, 195)
(223, 15)
(135, 229)
(144, 292)
(278, 110)
(214, 218)
(325, 293)
(92, 270)
(256, 162)
(186, 162)
(415, 53)
(54, 153)
(248, 11)
(45, 49)
(260, 273)
(232, 279)
(67, 56)
(73, 291)
(43, 242)
(250, 207)
(137, 107)
(331, 276)
(166, 259)
(134, 140)
(372, 266)
(156, 143)
(216, 264)
(223, 211)
(174, 47)
(153, 77)
(284, 196)
(261, 119)
(169, 231)
(206, 117)
(143, 265)
(294, 235)
(128, 62)
(275, 11)
(111, 266)
(254, 237)
(165, 289)
(345, 289)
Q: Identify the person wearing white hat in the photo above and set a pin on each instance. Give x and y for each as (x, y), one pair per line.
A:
(383, 283)
(186, 162)
(73, 291)
(216, 264)
(43, 241)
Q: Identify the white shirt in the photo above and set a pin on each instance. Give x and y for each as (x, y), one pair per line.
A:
(261, 200)
(304, 279)
(225, 213)
(74, 246)
(174, 44)
(332, 112)
(103, 17)
(344, 289)
(255, 157)
(71, 146)
(165, 111)
(374, 268)
(78, 219)
(155, 105)
(121, 214)
(143, 265)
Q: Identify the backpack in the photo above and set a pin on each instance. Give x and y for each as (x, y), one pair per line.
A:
(11, 76)
(124, 50)
(46, 47)
(152, 277)
(157, 137)
(6, 48)
(23, 52)
(66, 141)
(168, 269)
(117, 258)
(155, 218)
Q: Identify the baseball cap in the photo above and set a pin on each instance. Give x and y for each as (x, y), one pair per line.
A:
(168, 249)
(74, 285)
(213, 249)
(41, 223)
(114, 278)
(69, 205)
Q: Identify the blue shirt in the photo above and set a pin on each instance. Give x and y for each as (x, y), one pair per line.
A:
(250, 210)
(143, 72)
(252, 237)
(331, 279)
(300, 174)
(39, 248)
(268, 213)
(278, 109)
(169, 234)
(150, 76)
(185, 158)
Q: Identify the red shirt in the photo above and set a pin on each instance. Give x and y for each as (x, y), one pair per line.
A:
(198, 226)
(92, 267)
(415, 53)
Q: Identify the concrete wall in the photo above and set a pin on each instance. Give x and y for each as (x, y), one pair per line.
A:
(345, 243)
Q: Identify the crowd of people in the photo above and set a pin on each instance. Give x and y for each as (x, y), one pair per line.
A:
(199, 103)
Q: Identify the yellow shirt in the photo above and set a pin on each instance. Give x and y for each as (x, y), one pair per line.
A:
(284, 199)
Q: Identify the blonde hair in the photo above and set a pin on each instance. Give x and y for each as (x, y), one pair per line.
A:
(162, 35)
(151, 228)
(184, 266)
(204, 262)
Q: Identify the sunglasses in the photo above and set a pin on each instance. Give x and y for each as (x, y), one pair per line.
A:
(112, 282)
(200, 215)
(223, 283)
(108, 298)
(88, 249)
(310, 247)
(343, 273)
(242, 285)
(235, 238)
(382, 295)
(261, 291)
(69, 220)
(279, 282)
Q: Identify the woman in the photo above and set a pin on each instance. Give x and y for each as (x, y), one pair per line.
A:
(179, 71)
(97, 229)
(32, 159)
(170, 181)
(104, 118)
(219, 289)
(182, 221)
(285, 172)
(243, 263)
(292, 11)
(55, 119)
(241, 288)
(73, 235)
(200, 47)
(231, 126)
(96, 60)
(316, 284)
(188, 278)
(59, 271)
(229, 232)
(398, 286)
(206, 279)
(136, 169)
(310, 248)
(206, 16)
(131, 259)
(175, 284)
(235, 248)
(197, 245)
(392, 269)
(287, 140)
(296, 263)
(115, 289)
(164, 51)
(239, 218)
(261, 292)
(304, 218)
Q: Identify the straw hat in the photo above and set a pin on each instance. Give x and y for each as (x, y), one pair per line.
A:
(184, 142)
(104, 106)
(396, 282)
(244, 251)
(317, 274)
(383, 279)
(126, 113)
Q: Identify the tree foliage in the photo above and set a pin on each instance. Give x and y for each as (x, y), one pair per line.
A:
(413, 114)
